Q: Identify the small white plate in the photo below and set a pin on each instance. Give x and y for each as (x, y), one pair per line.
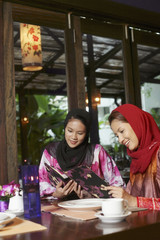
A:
(82, 204)
(17, 213)
(3, 216)
(112, 219)
(7, 217)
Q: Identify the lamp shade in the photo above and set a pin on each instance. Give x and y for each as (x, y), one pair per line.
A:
(30, 36)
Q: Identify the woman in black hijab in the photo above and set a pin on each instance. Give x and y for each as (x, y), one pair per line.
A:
(75, 150)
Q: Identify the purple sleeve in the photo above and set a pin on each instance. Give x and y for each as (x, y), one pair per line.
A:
(45, 186)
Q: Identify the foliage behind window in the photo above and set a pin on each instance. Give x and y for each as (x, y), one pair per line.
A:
(46, 116)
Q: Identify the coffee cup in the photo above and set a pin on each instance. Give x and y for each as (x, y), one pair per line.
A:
(114, 206)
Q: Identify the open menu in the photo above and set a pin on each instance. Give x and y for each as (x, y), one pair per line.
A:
(84, 176)
(55, 176)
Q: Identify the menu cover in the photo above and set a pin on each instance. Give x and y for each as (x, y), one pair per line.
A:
(84, 176)
(89, 181)
(55, 176)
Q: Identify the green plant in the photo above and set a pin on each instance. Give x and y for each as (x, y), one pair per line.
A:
(46, 123)
(156, 115)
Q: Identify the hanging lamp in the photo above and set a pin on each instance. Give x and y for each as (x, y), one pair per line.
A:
(30, 36)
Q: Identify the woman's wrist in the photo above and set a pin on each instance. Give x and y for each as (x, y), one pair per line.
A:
(132, 201)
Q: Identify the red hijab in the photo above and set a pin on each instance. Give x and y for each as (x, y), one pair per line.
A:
(147, 133)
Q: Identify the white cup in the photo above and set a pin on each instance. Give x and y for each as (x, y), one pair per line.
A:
(114, 206)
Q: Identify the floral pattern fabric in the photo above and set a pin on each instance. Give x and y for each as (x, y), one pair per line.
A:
(146, 186)
(150, 203)
(103, 165)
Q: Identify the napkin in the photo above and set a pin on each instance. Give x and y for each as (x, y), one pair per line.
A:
(18, 226)
(82, 215)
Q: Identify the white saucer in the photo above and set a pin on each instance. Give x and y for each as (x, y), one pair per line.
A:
(6, 218)
(3, 216)
(82, 204)
(112, 219)
(17, 213)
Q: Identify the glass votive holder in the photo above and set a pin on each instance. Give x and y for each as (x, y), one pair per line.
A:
(31, 194)
(3, 205)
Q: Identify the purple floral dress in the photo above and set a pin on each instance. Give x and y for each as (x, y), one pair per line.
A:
(102, 164)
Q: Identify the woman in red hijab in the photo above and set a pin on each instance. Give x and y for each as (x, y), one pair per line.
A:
(138, 131)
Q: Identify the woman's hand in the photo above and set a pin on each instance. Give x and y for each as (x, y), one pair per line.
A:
(118, 192)
(63, 191)
(78, 190)
(81, 193)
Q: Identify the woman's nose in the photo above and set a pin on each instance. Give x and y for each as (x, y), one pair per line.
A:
(120, 139)
(74, 136)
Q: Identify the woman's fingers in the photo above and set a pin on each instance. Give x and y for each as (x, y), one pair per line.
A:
(62, 190)
(60, 184)
(78, 190)
(116, 192)
(68, 188)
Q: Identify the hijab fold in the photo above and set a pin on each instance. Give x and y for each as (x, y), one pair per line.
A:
(147, 133)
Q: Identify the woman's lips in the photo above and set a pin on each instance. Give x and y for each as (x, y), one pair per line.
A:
(126, 143)
(73, 142)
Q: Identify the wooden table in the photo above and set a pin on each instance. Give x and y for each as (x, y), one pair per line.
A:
(139, 225)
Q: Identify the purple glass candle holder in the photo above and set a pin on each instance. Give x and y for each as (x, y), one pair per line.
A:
(31, 194)
(3, 205)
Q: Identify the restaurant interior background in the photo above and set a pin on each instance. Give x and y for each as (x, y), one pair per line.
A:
(120, 63)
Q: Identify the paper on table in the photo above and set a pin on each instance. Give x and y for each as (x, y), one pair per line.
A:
(82, 215)
(18, 226)
(136, 209)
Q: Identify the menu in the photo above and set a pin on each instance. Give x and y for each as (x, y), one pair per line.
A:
(84, 176)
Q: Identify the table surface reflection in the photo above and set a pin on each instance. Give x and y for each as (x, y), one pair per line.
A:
(139, 225)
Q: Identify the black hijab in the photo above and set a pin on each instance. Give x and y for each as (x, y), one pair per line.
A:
(68, 157)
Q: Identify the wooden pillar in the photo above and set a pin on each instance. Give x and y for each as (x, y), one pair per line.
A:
(3, 140)
(9, 98)
(91, 89)
(135, 69)
(74, 63)
(131, 73)
(23, 126)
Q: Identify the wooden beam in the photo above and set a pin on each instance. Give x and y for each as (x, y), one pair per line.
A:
(10, 103)
(23, 126)
(131, 68)
(102, 9)
(135, 71)
(74, 63)
(3, 140)
(147, 38)
(91, 90)
(108, 55)
(32, 15)
(128, 74)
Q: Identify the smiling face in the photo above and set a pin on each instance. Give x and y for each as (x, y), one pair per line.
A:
(75, 132)
(125, 134)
